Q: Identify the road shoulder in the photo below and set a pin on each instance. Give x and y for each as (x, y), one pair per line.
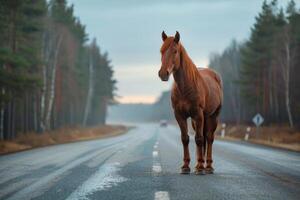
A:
(60, 136)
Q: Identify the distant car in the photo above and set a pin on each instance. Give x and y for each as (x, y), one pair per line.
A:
(163, 123)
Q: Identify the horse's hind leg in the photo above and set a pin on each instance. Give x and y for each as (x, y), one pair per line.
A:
(199, 139)
(185, 169)
(210, 126)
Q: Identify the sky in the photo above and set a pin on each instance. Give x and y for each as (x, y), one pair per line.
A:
(130, 31)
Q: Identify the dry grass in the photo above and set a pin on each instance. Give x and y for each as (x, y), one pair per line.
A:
(276, 136)
(59, 136)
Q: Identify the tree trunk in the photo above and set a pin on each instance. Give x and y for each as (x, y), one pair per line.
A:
(43, 94)
(52, 85)
(90, 91)
(287, 84)
(35, 113)
(46, 48)
(2, 116)
(13, 127)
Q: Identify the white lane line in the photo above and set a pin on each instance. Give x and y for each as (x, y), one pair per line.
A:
(103, 179)
(156, 168)
(38, 187)
(155, 153)
(161, 195)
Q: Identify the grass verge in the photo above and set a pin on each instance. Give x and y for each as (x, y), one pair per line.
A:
(59, 136)
(274, 136)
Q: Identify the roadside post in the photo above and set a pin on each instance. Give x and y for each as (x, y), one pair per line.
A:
(257, 120)
(223, 130)
(248, 129)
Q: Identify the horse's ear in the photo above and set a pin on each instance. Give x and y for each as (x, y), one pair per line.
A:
(177, 37)
(164, 36)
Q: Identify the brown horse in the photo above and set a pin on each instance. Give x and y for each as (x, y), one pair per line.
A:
(196, 93)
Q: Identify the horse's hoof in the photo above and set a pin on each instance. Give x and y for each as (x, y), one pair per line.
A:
(185, 170)
(200, 171)
(209, 170)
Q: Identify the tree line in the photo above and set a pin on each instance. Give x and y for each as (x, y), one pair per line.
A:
(162, 108)
(50, 74)
(261, 74)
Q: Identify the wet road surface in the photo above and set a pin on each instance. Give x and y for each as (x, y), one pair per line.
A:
(145, 164)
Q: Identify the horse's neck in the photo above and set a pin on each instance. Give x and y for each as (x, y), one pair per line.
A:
(187, 76)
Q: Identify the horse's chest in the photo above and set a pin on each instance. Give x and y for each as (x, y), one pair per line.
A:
(184, 107)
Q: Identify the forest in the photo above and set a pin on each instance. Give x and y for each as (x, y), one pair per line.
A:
(51, 74)
(261, 74)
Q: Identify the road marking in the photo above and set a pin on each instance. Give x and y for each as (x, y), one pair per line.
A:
(104, 178)
(36, 188)
(156, 168)
(161, 195)
(155, 153)
(155, 146)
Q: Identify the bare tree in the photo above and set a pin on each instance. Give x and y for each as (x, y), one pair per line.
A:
(52, 81)
(285, 63)
(90, 91)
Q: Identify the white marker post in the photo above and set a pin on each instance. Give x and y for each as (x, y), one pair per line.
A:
(257, 120)
(248, 129)
(223, 130)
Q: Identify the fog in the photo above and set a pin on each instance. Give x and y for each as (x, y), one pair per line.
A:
(131, 32)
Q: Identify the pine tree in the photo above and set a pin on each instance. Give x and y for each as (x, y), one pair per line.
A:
(21, 26)
(44, 73)
(257, 58)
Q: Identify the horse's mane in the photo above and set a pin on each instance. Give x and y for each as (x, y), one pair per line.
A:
(189, 67)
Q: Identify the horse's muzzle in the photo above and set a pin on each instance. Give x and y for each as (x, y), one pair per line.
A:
(163, 75)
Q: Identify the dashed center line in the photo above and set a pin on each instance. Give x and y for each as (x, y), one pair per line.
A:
(156, 168)
(155, 153)
(161, 195)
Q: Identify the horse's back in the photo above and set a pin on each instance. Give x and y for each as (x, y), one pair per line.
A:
(214, 84)
(207, 72)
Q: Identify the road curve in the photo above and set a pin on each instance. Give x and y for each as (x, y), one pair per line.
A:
(144, 164)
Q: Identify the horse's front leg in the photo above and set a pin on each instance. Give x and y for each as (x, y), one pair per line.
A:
(185, 169)
(199, 139)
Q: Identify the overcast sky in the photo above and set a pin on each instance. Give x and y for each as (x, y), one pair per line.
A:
(130, 31)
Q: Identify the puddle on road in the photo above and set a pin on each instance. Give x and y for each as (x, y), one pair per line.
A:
(106, 177)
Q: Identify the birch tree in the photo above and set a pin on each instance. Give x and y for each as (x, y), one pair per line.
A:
(53, 68)
(285, 59)
(91, 86)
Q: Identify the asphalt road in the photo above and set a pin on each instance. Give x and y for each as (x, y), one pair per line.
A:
(144, 164)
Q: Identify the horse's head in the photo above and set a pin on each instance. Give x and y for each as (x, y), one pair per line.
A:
(170, 56)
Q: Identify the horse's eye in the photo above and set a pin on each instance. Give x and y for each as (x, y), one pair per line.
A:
(175, 51)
